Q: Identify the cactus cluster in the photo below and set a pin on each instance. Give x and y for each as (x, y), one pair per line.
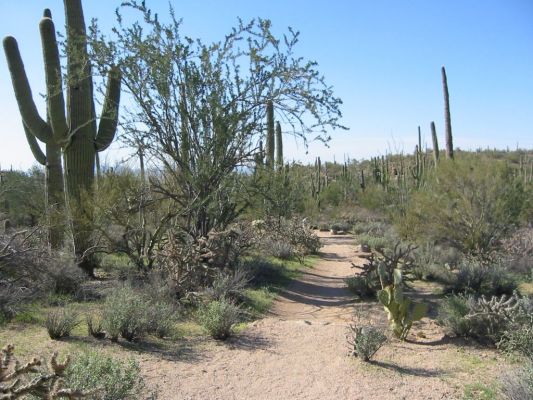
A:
(71, 131)
(18, 381)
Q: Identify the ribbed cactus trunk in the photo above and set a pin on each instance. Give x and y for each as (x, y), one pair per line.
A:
(435, 143)
(279, 146)
(74, 132)
(270, 141)
(447, 117)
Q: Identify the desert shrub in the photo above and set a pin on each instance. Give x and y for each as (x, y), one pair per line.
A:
(64, 277)
(361, 286)
(434, 263)
(262, 272)
(373, 242)
(125, 313)
(106, 377)
(373, 228)
(482, 279)
(229, 284)
(366, 341)
(218, 317)
(161, 318)
(470, 205)
(453, 311)
(517, 251)
(484, 319)
(280, 249)
(517, 383)
(94, 326)
(340, 227)
(59, 323)
(518, 339)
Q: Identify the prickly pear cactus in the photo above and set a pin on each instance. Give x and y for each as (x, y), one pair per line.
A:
(401, 311)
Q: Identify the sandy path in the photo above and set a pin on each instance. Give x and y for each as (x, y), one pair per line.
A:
(300, 351)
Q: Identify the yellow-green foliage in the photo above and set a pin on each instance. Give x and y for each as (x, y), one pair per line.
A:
(469, 203)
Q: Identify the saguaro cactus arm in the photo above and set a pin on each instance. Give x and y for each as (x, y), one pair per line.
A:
(21, 86)
(34, 146)
(54, 85)
(109, 117)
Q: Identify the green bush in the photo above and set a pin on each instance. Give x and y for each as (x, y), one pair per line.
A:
(107, 378)
(361, 286)
(94, 326)
(480, 279)
(453, 311)
(469, 204)
(161, 319)
(218, 317)
(59, 323)
(125, 314)
(366, 341)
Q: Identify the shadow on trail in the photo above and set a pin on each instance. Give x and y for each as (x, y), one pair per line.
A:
(408, 370)
(317, 295)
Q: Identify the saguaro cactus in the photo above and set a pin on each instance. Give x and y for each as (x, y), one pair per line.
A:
(279, 146)
(435, 143)
(75, 131)
(447, 118)
(270, 141)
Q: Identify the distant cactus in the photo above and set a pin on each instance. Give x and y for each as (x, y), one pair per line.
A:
(270, 141)
(447, 118)
(76, 132)
(435, 143)
(279, 146)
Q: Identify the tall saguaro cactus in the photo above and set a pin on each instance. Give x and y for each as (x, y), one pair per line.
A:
(447, 118)
(435, 143)
(279, 146)
(74, 128)
(270, 141)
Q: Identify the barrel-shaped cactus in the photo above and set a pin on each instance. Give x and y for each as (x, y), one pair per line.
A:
(73, 128)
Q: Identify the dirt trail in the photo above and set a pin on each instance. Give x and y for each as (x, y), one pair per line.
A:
(300, 351)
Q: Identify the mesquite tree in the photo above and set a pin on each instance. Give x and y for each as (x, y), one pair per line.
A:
(71, 130)
(200, 108)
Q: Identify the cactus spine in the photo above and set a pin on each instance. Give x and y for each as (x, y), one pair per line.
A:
(75, 131)
(435, 143)
(447, 118)
(279, 146)
(270, 141)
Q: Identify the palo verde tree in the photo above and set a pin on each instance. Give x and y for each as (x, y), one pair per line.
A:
(72, 129)
(200, 108)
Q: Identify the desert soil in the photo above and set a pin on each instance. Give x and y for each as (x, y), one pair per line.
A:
(300, 350)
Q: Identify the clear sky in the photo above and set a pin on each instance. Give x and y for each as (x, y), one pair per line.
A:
(382, 57)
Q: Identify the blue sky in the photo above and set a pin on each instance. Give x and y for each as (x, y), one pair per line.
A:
(382, 57)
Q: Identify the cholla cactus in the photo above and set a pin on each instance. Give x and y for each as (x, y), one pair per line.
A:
(491, 314)
(16, 381)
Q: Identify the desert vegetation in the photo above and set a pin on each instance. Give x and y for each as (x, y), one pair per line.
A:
(190, 242)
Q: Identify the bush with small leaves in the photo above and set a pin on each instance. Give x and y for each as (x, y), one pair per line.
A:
(361, 286)
(453, 310)
(59, 323)
(229, 284)
(161, 319)
(481, 279)
(94, 326)
(109, 378)
(517, 383)
(365, 340)
(280, 249)
(218, 317)
(125, 314)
